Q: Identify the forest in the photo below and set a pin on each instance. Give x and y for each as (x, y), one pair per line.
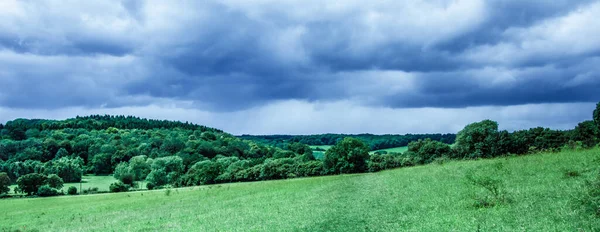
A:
(375, 142)
(40, 155)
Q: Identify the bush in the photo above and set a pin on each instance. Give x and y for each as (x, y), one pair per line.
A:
(150, 186)
(72, 190)
(118, 187)
(591, 196)
(47, 191)
(54, 181)
(494, 189)
(90, 190)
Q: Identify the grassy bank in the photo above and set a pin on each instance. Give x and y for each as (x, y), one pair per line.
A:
(436, 197)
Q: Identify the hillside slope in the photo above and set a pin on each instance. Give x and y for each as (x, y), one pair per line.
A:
(434, 197)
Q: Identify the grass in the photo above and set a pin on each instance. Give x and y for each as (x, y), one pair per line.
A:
(394, 149)
(89, 181)
(324, 147)
(436, 197)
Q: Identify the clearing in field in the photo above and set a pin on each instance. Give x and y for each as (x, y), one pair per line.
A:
(437, 197)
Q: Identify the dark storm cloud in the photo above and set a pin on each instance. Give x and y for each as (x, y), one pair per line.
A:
(234, 55)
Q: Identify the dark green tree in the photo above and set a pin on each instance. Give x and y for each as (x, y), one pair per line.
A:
(30, 183)
(348, 156)
(4, 183)
(478, 140)
(587, 133)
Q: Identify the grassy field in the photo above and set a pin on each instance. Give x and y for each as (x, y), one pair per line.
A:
(324, 147)
(394, 149)
(434, 197)
(89, 181)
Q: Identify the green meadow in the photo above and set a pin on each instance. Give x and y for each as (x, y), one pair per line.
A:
(393, 149)
(541, 192)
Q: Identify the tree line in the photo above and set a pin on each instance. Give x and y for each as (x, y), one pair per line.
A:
(374, 142)
(182, 156)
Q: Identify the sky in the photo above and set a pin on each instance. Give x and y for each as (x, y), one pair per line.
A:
(304, 66)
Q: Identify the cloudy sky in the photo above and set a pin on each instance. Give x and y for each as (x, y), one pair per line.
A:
(304, 66)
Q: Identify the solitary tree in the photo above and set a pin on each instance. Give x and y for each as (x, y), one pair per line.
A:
(350, 155)
(4, 183)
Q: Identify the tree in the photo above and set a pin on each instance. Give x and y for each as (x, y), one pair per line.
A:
(102, 163)
(478, 140)
(597, 115)
(140, 167)
(166, 170)
(54, 181)
(587, 133)
(203, 172)
(31, 183)
(4, 183)
(70, 170)
(347, 156)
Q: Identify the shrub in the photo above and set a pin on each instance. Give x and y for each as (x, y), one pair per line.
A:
(118, 187)
(54, 181)
(72, 190)
(150, 186)
(591, 196)
(494, 189)
(90, 190)
(47, 191)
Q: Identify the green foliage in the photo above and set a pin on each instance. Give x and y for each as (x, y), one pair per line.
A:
(30, 183)
(101, 164)
(429, 150)
(347, 156)
(118, 187)
(587, 132)
(166, 170)
(203, 172)
(375, 142)
(54, 181)
(69, 169)
(72, 190)
(478, 140)
(378, 162)
(47, 191)
(4, 183)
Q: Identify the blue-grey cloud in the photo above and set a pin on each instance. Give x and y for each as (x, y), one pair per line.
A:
(234, 55)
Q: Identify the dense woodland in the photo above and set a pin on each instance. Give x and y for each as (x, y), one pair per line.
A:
(39, 155)
(375, 142)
